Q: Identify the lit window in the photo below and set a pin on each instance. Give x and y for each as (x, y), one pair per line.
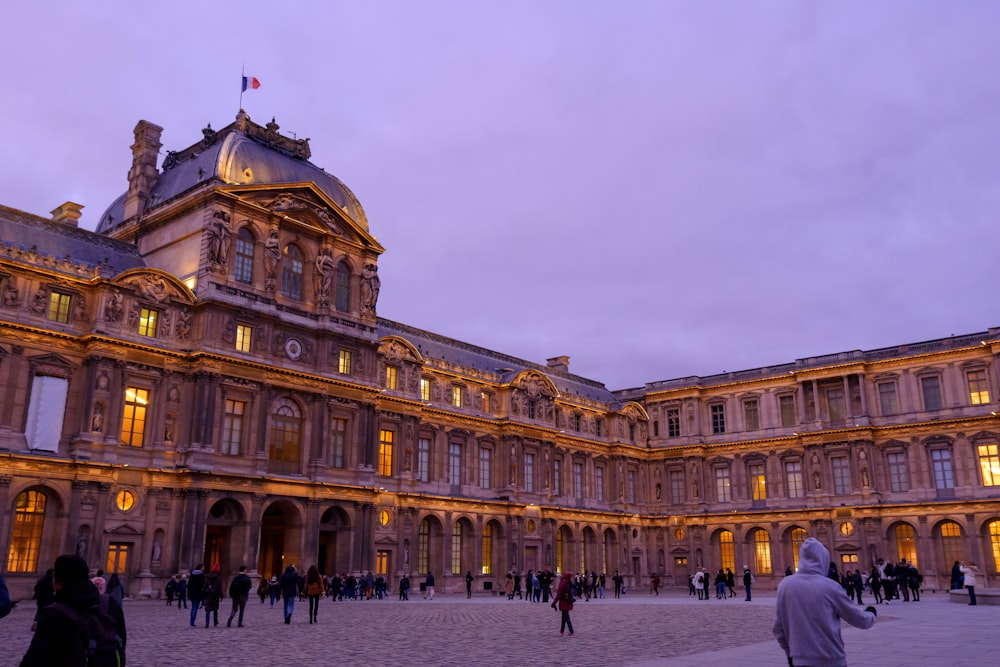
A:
(485, 463)
(762, 551)
(385, 440)
(243, 263)
(846, 528)
(125, 500)
(752, 415)
(793, 478)
(291, 273)
(59, 307)
(726, 558)
(26, 532)
(673, 423)
(344, 362)
(456, 548)
(887, 398)
(995, 541)
(989, 464)
(285, 446)
(456, 396)
(722, 493)
(952, 542)
(798, 537)
(758, 482)
(147, 322)
(338, 442)
(979, 394)
(718, 418)
(786, 405)
(487, 548)
(424, 459)
(941, 464)
(899, 475)
(425, 389)
(134, 416)
(232, 427)
(244, 338)
(906, 547)
(841, 475)
(423, 546)
(931, 389)
(391, 373)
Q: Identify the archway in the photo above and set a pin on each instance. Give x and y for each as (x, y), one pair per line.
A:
(225, 536)
(334, 541)
(280, 538)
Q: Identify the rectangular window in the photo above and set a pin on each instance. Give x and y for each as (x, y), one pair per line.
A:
(758, 482)
(557, 477)
(134, 416)
(338, 442)
(943, 476)
(425, 390)
(841, 475)
(47, 412)
(232, 427)
(385, 440)
(793, 478)
(722, 493)
(578, 481)
(676, 487)
(455, 463)
(147, 322)
(786, 405)
(673, 423)
(485, 460)
(531, 409)
(345, 362)
(484, 402)
(989, 464)
(597, 427)
(887, 398)
(631, 486)
(718, 418)
(456, 396)
(835, 404)
(599, 484)
(529, 473)
(424, 459)
(244, 334)
(931, 388)
(577, 419)
(899, 477)
(979, 393)
(752, 415)
(59, 307)
(390, 377)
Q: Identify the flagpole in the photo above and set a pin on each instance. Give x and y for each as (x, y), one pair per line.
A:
(243, 74)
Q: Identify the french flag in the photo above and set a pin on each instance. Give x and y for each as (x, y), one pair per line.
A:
(250, 82)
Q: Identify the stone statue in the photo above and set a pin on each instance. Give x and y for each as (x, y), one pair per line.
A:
(157, 550)
(183, 328)
(272, 254)
(79, 309)
(865, 481)
(219, 235)
(326, 271)
(81, 544)
(116, 308)
(816, 482)
(40, 302)
(168, 428)
(370, 285)
(97, 420)
(11, 295)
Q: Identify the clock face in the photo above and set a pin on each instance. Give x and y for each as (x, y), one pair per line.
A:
(384, 517)
(293, 348)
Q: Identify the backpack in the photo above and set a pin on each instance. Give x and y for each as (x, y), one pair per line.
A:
(98, 633)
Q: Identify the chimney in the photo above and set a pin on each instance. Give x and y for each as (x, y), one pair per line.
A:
(68, 214)
(558, 363)
(143, 175)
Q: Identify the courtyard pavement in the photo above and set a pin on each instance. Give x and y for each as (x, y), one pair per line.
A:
(672, 630)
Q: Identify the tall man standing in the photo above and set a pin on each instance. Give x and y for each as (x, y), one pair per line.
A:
(239, 593)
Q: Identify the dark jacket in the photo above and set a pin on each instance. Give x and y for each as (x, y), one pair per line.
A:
(213, 591)
(196, 586)
(58, 640)
(564, 594)
(289, 583)
(240, 586)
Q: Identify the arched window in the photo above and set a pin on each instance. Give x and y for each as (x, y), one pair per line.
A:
(488, 549)
(424, 546)
(342, 299)
(762, 551)
(456, 548)
(906, 544)
(995, 543)
(291, 272)
(286, 438)
(798, 537)
(26, 534)
(951, 542)
(726, 558)
(243, 262)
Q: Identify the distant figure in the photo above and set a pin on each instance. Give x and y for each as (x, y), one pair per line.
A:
(289, 585)
(429, 586)
(564, 602)
(969, 572)
(213, 594)
(809, 609)
(100, 582)
(468, 585)
(239, 593)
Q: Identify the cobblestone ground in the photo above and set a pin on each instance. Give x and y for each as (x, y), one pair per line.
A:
(449, 630)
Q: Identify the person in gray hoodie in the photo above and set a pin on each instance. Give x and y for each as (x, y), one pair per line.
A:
(809, 609)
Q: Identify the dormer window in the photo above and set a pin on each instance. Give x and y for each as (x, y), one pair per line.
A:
(342, 300)
(291, 273)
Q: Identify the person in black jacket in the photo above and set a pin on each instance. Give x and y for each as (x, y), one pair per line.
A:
(45, 594)
(196, 590)
(289, 585)
(239, 593)
(59, 638)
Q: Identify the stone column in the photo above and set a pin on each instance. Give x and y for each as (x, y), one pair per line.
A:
(251, 545)
(145, 545)
(864, 398)
(103, 500)
(310, 546)
(13, 380)
(848, 412)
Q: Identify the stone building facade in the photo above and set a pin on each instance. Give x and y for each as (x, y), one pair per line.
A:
(205, 379)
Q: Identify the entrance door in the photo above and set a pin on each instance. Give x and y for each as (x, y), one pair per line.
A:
(531, 558)
(117, 562)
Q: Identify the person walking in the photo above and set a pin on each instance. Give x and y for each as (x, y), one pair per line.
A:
(747, 580)
(429, 586)
(809, 609)
(116, 589)
(182, 592)
(171, 590)
(720, 585)
(564, 602)
(969, 571)
(196, 591)
(654, 584)
(289, 585)
(468, 585)
(618, 579)
(314, 589)
(261, 587)
(239, 593)
(731, 582)
(213, 594)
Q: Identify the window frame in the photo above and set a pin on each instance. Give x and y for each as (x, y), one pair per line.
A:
(293, 262)
(59, 307)
(242, 260)
(148, 321)
(244, 338)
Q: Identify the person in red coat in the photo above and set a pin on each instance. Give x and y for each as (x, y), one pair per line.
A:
(565, 597)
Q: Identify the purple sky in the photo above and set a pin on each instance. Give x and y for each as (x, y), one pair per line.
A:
(657, 189)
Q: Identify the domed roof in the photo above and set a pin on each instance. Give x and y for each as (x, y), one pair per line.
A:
(243, 153)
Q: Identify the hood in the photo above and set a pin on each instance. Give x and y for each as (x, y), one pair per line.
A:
(81, 595)
(813, 557)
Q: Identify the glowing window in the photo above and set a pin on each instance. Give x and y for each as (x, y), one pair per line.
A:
(147, 322)
(385, 440)
(125, 500)
(344, 362)
(134, 416)
(989, 464)
(726, 558)
(391, 375)
(244, 335)
(59, 307)
(488, 549)
(762, 551)
(979, 394)
(26, 532)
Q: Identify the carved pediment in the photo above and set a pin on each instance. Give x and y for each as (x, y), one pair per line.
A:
(51, 364)
(395, 349)
(535, 384)
(155, 286)
(122, 529)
